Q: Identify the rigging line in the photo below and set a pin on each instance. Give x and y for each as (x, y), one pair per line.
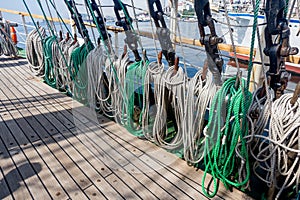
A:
(231, 37)
(50, 13)
(137, 24)
(107, 34)
(286, 8)
(60, 18)
(60, 22)
(32, 19)
(130, 24)
(260, 48)
(52, 32)
(256, 9)
(180, 43)
(89, 18)
(291, 11)
(153, 33)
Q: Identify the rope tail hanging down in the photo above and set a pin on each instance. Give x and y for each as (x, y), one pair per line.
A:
(134, 84)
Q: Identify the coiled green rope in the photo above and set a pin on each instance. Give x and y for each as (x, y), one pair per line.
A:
(78, 71)
(222, 135)
(49, 77)
(134, 87)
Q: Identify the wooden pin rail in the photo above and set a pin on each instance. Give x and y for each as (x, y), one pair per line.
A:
(195, 42)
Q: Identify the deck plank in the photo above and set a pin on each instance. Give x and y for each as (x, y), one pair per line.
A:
(5, 193)
(13, 177)
(93, 193)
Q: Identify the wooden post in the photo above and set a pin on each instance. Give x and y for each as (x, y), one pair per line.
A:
(24, 25)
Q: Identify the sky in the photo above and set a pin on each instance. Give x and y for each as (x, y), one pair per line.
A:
(35, 9)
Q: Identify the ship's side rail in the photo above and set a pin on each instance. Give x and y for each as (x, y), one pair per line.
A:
(186, 41)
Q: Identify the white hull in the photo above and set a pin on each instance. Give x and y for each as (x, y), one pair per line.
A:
(242, 35)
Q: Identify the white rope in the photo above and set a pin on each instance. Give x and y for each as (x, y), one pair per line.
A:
(34, 51)
(121, 65)
(153, 75)
(199, 96)
(278, 154)
(175, 84)
(260, 107)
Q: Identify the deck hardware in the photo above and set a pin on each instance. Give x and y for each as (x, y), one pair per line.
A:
(162, 31)
(210, 41)
(126, 21)
(277, 25)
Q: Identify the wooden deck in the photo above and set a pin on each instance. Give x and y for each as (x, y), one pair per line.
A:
(52, 147)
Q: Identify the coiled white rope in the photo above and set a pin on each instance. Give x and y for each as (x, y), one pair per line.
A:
(100, 82)
(7, 47)
(95, 63)
(199, 96)
(120, 98)
(260, 110)
(153, 75)
(278, 154)
(34, 51)
(174, 82)
(59, 64)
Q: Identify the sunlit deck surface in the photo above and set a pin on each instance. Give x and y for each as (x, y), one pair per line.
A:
(52, 147)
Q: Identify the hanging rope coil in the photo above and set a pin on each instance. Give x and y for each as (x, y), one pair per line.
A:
(7, 46)
(277, 155)
(100, 82)
(78, 71)
(35, 52)
(61, 62)
(134, 90)
(224, 130)
(175, 84)
(153, 75)
(121, 100)
(49, 76)
(200, 93)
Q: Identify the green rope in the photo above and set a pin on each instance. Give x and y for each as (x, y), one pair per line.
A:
(61, 19)
(49, 75)
(220, 144)
(250, 65)
(52, 32)
(78, 70)
(134, 84)
(286, 8)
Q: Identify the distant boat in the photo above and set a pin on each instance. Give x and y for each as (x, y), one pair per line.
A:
(143, 17)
